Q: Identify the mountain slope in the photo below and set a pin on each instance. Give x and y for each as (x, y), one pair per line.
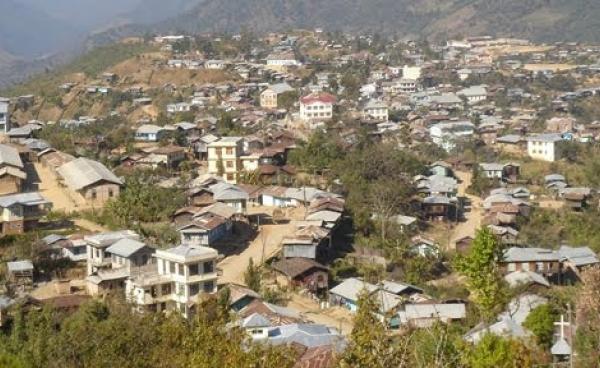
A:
(537, 19)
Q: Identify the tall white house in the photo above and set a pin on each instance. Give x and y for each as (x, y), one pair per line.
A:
(317, 106)
(545, 147)
(226, 159)
(175, 282)
(4, 115)
(411, 72)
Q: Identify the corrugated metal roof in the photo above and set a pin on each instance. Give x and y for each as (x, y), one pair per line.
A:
(125, 247)
(10, 156)
(83, 172)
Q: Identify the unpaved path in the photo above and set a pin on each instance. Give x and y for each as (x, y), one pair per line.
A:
(61, 199)
(269, 236)
(474, 217)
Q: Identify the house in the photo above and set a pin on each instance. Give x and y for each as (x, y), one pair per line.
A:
(175, 282)
(474, 94)
(545, 147)
(230, 195)
(97, 244)
(317, 106)
(425, 315)
(576, 259)
(376, 110)
(93, 181)
(304, 273)
(269, 98)
(20, 273)
(438, 207)
(205, 229)
(5, 125)
(226, 159)
(447, 134)
(129, 254)
(256, 326)
(424, 247)
(575, 198)
(347, 293)
(168, 156)
(179, 107)
(21, 212)
(411, 72)
(492, 170)
(280, 61)
(149, 133)
(509, 323)
(543, 261)
(215, 64)
(306, 335)
(240, 297)
(12, 174)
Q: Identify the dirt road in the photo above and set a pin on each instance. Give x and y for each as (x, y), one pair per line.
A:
(270, 236)
(474, 217)
(49, 188)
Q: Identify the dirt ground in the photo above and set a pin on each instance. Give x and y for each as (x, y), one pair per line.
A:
(553, 67)
(337, 317)
(474, 217)
(60, 197)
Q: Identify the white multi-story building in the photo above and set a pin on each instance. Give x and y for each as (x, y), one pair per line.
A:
(176, 281)
(4, 115)
(376, 110)
(317, 106)
(447, 134)
(411, 72)
(545, 147)
(226, 158)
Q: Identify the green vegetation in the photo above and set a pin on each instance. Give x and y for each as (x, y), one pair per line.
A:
(253, 276)
(112, 335)
(483, 277)
(142, 201)
(541, 323)
(549, 228)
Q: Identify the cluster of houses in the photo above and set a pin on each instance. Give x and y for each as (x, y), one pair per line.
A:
(449, 101)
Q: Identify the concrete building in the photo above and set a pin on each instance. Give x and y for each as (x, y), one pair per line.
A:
(4, 115)
(545, 147)
(317, 106)
(269, 98)
(226, 159)
(180, 275)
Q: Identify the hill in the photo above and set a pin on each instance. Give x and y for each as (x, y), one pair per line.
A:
(540, 20)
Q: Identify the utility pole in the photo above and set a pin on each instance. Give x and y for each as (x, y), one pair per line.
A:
(570, 316)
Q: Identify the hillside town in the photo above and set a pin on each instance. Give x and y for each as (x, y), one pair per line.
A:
(448, 190)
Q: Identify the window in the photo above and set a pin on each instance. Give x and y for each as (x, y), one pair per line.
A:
(229, 164)
(165, 289)
(181, 270)
(171, 267)
(229, 151)
(209, 287)
(230, 177)
(193, 269)
(194, 289)
(94, 194)
(208, 267)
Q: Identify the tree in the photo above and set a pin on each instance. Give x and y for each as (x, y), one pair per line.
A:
(253, 277)
(370, 346)
(483, 278)
(493, 351)
(588, 315)
(540, 322)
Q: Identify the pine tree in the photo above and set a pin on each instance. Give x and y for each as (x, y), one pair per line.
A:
(252, 277)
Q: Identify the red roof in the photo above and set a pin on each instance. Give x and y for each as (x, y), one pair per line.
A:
(318, 97)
